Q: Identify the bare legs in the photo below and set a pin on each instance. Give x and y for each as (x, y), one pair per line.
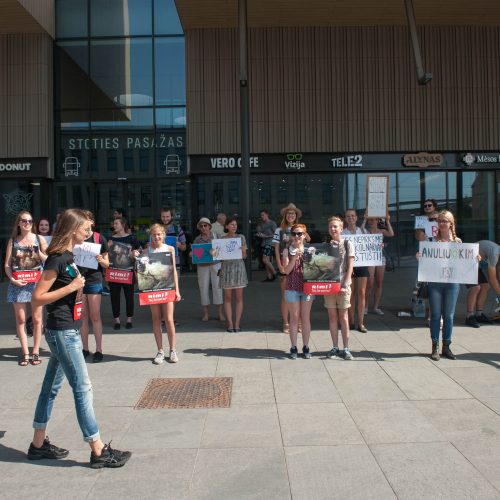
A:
(228, 308)
(339, 316)
(300, 311)
(358, 291)
(167, 312)
(375, 282)
(269, 266)
(284, 304)
(20, 312)
(91, 310)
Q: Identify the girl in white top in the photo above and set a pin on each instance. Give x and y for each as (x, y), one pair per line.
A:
(376, 279)
(166, 310)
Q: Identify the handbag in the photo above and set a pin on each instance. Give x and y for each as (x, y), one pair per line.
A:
(423, 290)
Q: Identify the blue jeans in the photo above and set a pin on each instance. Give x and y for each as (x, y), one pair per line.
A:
(442, 301)
(67, 359)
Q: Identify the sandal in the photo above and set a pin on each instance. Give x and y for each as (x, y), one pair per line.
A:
(35, 359)
(286, 328)
(24, 360)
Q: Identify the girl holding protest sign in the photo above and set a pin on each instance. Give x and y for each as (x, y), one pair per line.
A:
(375, 226)
(24, 256)
(299, 304)
(290, 216)
(233, 277)
(164, 310)
(443, 296)
(360, 275)
(121, 245)
(208, 273)
(92, 292)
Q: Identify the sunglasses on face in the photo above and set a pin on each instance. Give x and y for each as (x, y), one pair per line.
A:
(293, 233)
(428, 205)
(26, 221)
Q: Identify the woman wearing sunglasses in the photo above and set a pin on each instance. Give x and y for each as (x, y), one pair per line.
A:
(25, 252)
(298, 303)
(430, 210)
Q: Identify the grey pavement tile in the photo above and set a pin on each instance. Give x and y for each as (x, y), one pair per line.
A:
(393, 422)
(492, 404)
(165, 428)
(431, 470)
(304, 387)
(243, 361)
(148, 475)
(481, 381)
(484, 455)
(421, 380)
(252, 426)
(356, 381)
(252, 388)
(287, 366)
(319, 424)
(326, 472)
(461, 419)
(240, 473)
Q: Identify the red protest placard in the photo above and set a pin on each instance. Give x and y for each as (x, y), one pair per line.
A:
(156, 297)
(28, 276)
(119, 276)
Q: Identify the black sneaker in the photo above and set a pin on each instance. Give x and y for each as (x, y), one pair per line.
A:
(109, 458)
(306, 352)
(128, 325)
(117, 326)
(47, 450)
(482, 318)
(97, 357)
(472, 321)
(294, 353)
(85, 353)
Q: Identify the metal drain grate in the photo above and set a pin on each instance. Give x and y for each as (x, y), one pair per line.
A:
(209, 392)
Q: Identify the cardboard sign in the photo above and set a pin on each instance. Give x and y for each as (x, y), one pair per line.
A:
(155, 273)
(430, 227)
(28, 276)
(227, 249)
(368, 249)
(85, 255)
(448, 262)
(26, 263)
(321, 269)
(201, 253)
(377, 192)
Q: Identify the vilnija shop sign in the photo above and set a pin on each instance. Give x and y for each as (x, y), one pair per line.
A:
(161, 141)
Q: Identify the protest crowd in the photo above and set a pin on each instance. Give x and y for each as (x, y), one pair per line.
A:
(67, 268)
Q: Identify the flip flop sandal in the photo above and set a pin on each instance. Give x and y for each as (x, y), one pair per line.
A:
(35, 360)
(24, 360)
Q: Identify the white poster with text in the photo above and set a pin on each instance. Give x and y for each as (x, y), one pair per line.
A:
(368, 249)
(86, 253)
(226, 249)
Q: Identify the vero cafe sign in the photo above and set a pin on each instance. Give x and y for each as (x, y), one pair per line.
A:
(423, 160)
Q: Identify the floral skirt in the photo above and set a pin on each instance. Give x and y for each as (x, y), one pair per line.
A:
(233, 274)
(20, 294)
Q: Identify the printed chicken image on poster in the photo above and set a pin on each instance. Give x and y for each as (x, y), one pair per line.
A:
(121, 265)
(26, 263)
(321, 269)
(155, 278)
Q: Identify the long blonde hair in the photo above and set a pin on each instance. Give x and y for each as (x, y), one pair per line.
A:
(16, 230)
(67, 224)
(448, 216)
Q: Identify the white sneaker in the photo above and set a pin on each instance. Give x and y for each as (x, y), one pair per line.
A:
(378, 311)
(173, 356)
(159, 358)
(347, 355)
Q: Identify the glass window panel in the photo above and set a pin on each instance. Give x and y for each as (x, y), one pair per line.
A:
(131, 118)
(112, 161)
(72, 79)
(128, 160)
(166, 18)
(170, 78)
(71, 18)
(120, 17)
(171, 117)
(74, 120)
(435, 187)
(121, 73)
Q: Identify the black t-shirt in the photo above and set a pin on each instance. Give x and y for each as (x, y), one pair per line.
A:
(130, 240)
(93, 276)
(60, 312)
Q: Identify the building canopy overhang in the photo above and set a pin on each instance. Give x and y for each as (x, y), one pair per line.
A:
(27, 16)
(203, 14)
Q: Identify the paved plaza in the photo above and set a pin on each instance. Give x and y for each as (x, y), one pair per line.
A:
(389, 424)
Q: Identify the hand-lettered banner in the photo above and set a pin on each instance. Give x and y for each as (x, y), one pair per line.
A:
(448, 262)
(227, 249)
(367, 248)
(430, 227)
(321, 269)
(201, 253)
(377, 189)
(155, 278)
(85, 255)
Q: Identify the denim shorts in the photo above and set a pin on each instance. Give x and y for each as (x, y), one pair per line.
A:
(294, 296)
(93, 289)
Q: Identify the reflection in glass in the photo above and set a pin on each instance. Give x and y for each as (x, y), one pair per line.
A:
(131, 118)
(73, 119)
(171, 117)
(120, 17)
(71, 74)
(121, 72)
(71, 18)
(170, 78)
(166, 18)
